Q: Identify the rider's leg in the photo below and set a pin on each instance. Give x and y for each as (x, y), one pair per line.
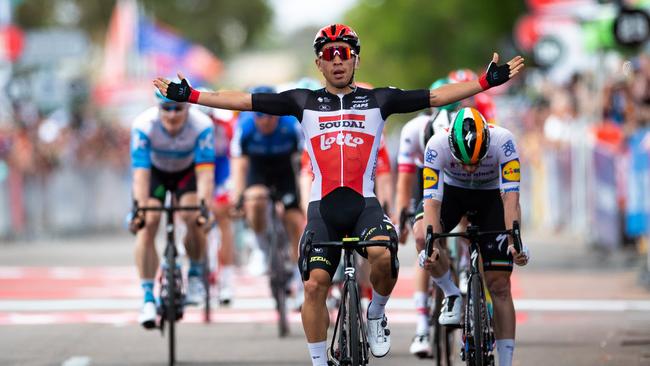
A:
(146, 257)
(294, 221)
(380, 277)
(226, 254)
(315, 317)
(498, 283)
(421, 294)
(256, 206)
(195, 239)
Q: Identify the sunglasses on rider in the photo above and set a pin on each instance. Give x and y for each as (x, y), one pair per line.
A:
(172, 107)
(344, 52)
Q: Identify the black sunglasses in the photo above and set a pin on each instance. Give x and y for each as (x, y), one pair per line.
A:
(172, 107)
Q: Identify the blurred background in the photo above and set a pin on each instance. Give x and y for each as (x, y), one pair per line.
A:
(74, 74)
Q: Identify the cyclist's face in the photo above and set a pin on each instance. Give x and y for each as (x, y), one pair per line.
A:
(173, 116)
(265, 123)
(337, 71)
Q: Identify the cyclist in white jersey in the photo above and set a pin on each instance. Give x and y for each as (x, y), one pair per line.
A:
(342, 124)
(410, 160)
(475, 167)
(172, 147)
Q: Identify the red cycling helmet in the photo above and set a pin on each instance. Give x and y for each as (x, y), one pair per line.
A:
(461, 75)
(336, 33)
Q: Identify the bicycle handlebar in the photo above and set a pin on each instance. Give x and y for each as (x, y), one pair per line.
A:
(349, 244)
(473, 234)
(202, 208)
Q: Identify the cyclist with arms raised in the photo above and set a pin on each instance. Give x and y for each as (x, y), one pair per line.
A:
(475, 167)
(172, 147)
(342, 124)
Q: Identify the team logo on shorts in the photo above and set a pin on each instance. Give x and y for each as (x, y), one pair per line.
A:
(510, 171)
(430, 178)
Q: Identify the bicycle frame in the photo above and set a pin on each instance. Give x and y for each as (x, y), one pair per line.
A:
(350, 293)
(172, 313)
(476, 353)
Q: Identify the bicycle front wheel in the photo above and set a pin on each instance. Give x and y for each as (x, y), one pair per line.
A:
(476, 322)
(354, 325)
(171, 305)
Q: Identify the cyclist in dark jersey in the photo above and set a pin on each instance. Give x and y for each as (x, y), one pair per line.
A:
(262, 151)
(342, 124)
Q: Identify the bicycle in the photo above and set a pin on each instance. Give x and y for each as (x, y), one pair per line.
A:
(279, 264)
(351, 348)
(171, 307)
(477, 326)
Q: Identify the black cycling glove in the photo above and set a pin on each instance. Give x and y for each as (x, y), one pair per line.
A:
(182, 92)
(495, 75)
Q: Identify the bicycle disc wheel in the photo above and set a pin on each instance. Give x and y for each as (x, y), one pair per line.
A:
(476, 322)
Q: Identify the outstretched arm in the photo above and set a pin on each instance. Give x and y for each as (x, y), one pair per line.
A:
(183, 92)
(494, 75)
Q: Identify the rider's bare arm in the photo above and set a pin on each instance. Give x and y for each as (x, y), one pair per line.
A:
(239, 169)
(511, 210)
(205, 183)
(431, 216)
(141, 179)
(404, 187)
(227, 99)
(450, 93)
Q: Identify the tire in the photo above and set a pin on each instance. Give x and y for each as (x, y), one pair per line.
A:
(171, 304)
(206, 285)
(279, 278)
(476, 321)
(354, 325)
(441, 338)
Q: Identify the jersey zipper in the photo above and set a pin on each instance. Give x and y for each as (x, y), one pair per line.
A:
(341, 132)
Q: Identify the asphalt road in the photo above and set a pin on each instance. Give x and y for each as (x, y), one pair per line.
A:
(575, 307)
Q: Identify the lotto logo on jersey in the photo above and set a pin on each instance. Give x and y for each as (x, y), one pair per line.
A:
(341, 139)
(430, 178)
(510, 171)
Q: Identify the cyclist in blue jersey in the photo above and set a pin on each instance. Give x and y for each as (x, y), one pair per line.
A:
(172, 147)
(262, 150)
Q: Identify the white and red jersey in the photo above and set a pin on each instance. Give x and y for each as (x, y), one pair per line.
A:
(383, 161)
(342, 132)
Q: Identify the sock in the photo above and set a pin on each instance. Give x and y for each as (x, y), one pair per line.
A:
(196, 269)
(318, 353)
(447, 285)
(147, 288)
(226, 274)
(422, 310)
(505, 349)
(377, 305)
(262, 240)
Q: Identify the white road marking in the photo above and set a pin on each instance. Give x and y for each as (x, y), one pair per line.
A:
(26, 306)
(77, 361)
